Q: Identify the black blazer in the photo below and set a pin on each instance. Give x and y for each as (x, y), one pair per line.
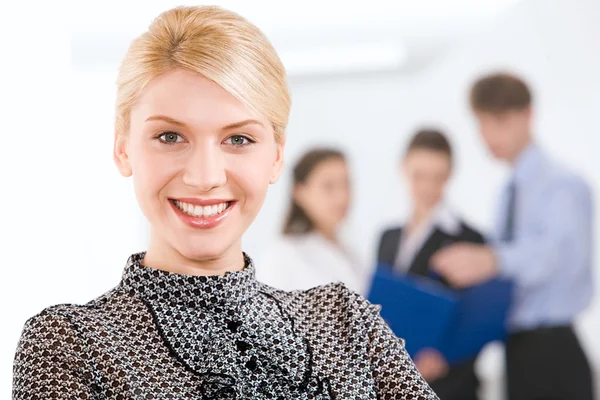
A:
(390, 242)
(461, 382)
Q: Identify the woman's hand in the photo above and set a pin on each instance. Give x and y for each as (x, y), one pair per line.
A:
(431, 364)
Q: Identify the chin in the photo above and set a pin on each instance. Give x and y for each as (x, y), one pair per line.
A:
(202, 253)
(498, 155)
(427, 203)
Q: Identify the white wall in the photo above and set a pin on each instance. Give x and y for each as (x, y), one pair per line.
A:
(89, 223)
(555, 45)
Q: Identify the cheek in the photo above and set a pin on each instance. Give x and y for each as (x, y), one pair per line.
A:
(345, 198)
(315, 204)
(418, 186)
(488, 137)
(151, 173)
(322, 206)
(251, 175)
(437, 192)
(489, 132)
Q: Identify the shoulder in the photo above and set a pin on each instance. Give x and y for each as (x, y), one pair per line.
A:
(47, 335)
(54, 345)
(559, 176)
(565, 179)
(566, 185)
(391, 233)
(62, 319)
(334, 300)
(52, 319)
(471, 233)
(392, 230)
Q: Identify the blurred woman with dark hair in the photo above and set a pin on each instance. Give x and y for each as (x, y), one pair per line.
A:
(311, 252)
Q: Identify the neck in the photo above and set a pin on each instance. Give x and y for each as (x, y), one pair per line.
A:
(164, 257)
(513, 160)
(420, 214)
(329, 234)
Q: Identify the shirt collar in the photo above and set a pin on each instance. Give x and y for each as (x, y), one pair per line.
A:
(162, 286)
(526, 164)
(446, 221)
(442, 218)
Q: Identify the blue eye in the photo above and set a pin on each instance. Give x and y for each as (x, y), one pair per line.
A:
(239, 140)
(170, 137)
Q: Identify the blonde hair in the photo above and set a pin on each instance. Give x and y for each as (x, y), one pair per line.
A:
(216, 43)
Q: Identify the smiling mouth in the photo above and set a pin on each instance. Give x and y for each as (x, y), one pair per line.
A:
(201, 211)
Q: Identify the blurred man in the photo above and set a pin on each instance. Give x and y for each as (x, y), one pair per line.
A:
(543, 241)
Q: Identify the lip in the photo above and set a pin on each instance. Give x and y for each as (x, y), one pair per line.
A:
(201, 202)
(203, 222)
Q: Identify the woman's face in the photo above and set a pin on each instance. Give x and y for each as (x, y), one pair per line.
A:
(427, 173)
(201, 164)
(325, 195)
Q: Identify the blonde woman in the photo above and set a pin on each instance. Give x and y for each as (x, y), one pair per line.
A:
(202, 107)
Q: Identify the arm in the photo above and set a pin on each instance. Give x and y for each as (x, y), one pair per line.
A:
(395, 374)
(49, 362)
(534, 256)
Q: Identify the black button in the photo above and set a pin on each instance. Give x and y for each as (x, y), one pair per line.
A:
(233, 325)
(251, 364)
(242, 346)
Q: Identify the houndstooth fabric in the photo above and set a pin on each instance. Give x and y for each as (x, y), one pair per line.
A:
(160, 335)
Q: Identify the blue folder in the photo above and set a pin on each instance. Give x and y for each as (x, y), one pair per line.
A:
(481, 319)
(418, 310)
(427, 314)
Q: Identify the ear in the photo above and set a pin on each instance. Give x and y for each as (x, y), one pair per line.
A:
(121, 155)
(278, 164)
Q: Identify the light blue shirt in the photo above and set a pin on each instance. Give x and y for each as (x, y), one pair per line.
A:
(550, 257)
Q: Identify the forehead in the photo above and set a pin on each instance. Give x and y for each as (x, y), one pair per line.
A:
(499, 117)
(429, 159)
(191, 98)
(328, 168)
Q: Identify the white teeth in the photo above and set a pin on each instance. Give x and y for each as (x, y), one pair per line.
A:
(200, 211)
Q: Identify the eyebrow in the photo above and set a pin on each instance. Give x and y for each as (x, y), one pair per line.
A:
(165, 118)
(173, 121)
(243, 123)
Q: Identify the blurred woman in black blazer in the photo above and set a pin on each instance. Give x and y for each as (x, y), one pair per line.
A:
(427, 166)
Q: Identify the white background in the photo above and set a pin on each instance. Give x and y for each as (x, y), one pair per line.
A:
(68, 221)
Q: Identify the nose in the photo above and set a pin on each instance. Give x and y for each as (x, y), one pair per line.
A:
(205, 168)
